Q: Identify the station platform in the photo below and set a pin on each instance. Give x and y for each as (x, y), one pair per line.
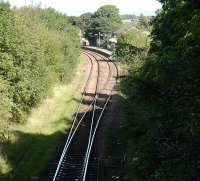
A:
(104, 52)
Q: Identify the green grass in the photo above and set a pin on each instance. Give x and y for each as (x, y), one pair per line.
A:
(33, 144)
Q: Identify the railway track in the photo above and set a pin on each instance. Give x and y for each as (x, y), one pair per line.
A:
(79, 159)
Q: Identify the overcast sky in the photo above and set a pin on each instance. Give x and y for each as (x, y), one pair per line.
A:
(78, 7)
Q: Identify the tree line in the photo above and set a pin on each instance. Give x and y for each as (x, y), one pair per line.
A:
(103, 22)
(162, 91)
(38, 49)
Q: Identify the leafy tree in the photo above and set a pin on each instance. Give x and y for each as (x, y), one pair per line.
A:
(33, 57)
(104, 21)
(143, 22)
(86, 21)
(131, 45)
(163, 95)
(83, 22)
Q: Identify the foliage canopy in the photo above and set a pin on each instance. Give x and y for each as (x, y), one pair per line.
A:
(163, 94)
(104, 21)
(38, 48)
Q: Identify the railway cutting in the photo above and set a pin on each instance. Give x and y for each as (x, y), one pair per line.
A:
(79, 160)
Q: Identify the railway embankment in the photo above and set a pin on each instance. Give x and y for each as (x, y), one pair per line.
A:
(38, 139)
(84, 153)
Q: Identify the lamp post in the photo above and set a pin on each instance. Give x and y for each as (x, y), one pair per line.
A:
(97, 39)
(99, 35)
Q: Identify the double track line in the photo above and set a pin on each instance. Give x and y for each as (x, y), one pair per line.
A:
(74, 161)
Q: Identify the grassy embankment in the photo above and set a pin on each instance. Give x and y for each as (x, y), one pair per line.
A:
(33, 143)
(39, 49)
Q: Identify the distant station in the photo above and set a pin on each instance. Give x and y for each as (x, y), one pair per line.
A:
(83, 41)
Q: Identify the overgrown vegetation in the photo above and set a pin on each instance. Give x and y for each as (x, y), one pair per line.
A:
(162, 94)
(39, 49)
(37, 140)
(36, 51)
(144, 23)
(131, 46)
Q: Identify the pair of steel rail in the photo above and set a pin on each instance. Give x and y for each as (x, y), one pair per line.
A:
(93, 126)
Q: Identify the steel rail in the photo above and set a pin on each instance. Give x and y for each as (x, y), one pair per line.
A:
(86, 161)
(94, 108)
(74, 121)
(75, 129)
(91, 137)
(114, 63)
(109, 75)
(93, 116)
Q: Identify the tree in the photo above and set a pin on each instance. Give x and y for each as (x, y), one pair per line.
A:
(83, 21)
(143, 22)
(131, 45)
(106, 19)
(163, 93)
(33, 57)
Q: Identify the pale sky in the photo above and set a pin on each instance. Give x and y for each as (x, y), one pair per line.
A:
(78, 7)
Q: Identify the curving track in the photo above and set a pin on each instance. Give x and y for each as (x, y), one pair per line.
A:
(78, 160)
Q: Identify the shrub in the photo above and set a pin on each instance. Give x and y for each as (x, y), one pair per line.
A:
(35, 54)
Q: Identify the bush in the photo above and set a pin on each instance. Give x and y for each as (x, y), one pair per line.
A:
(131, 46)
(35, 54)
(5, 109)
(163, 97)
